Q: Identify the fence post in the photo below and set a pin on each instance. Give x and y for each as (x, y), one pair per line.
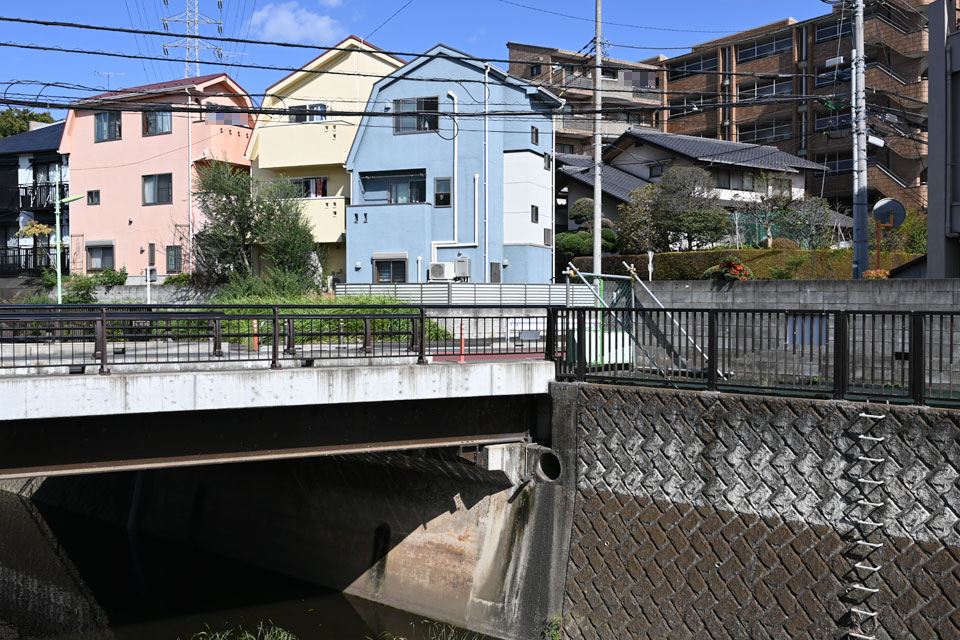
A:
(102, 340)
(291, 349)
(551, 348)
(841, 373)
(422, 338)
(712, 349)
(917, 377)
(275, 348)
(581, 344)
(367, 336)
(217, 338)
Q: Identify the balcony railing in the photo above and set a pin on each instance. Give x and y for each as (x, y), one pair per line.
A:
(30, 261)
(41, 195)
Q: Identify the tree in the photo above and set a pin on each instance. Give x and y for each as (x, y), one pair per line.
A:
(571, 245)
(582, 212)
(772, 206)
(809, 222)
(242, 215)
(14, 121)
(679, 212)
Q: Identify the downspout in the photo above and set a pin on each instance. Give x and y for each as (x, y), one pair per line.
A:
(553, 197)
(486, 181)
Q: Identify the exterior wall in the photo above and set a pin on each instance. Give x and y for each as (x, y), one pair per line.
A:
(422, 232)
(280, 148)
(701, 515)
(116, 168)
(526, 183)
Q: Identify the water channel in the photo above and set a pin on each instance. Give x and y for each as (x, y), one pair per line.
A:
(67, 577)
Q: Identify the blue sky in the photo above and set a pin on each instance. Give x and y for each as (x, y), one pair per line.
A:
(478, 27)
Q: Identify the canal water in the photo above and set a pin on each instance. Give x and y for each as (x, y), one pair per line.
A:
(71, 578)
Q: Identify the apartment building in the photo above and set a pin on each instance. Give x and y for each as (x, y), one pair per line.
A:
(630, 86)
(309, 147)
(751, 87)
(137, 169)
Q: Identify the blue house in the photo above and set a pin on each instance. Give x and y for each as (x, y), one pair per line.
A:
(444, 188)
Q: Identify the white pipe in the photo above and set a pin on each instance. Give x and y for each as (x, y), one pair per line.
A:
(189, 181)
(476, 209)
(419, 258)
(486, 181)
(553, 197)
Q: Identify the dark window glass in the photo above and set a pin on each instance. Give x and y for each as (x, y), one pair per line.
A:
(414, 115)
(408, 192)
(534, 136)
(441, 192)
(157, 122)
(93, 197)
(158, 189)
(106, 126)
(534, 214)
(99, 258)
(174, 258)
(390, 271)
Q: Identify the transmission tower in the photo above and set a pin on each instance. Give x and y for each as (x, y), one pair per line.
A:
(192, 43)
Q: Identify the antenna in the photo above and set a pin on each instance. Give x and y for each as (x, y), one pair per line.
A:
(192, 44)
(108, 75)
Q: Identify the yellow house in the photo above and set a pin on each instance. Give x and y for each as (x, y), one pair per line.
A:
(309, 147)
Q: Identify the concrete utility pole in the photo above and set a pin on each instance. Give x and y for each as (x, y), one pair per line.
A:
(861, 250)
(597, 148)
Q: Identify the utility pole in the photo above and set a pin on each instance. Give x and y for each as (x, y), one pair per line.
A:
(597, 148)
(861, 255)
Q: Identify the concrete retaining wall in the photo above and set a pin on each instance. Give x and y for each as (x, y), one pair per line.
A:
(722, 516)
(862, 295)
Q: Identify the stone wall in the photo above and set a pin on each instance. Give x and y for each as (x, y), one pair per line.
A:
(723, 516)
(861, 295)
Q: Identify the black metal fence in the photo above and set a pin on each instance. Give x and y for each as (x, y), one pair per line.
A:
(15, 261)
(882, 356)
(42, 338)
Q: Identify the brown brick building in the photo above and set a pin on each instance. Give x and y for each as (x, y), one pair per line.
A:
(630, 86)
(710, 92)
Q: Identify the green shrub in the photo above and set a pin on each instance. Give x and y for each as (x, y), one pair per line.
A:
(110, 278)
(784, 243)
(690, 265)
(79, 290)
(48, 277)
(179, 279)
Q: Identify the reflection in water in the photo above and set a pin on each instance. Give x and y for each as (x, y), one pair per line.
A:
(66, 577)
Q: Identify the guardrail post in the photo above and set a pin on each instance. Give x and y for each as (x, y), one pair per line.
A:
(367, 336)
(551, 348)
(217, 338)
(422, 338)
(581, 344)
(275, 347)
(841, 372)
(291, 349)
(713, 363)
(917, 377)
(102, 342)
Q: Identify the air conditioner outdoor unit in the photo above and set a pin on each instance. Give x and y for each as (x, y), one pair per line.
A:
(441, 271)
(461, 268)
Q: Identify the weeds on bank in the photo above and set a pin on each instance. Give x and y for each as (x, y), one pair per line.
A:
(263, 632)
(430, 630)
(553, 629)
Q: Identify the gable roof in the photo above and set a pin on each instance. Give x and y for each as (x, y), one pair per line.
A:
(712, 151)
(42, 139)
(615, 182)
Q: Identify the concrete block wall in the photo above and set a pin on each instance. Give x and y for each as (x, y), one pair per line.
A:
(706, 516)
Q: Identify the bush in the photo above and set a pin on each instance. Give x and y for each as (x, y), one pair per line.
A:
(179, 279)
(690, 265)
(79, 290)
(876, 274)
(48, 277)
(110, 278)
(730, 268)
(572, 244)
(784, 243)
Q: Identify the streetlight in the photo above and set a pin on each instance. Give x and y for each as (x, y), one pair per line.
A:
(56, 212)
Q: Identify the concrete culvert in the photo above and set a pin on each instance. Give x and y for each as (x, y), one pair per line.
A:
(549, 466)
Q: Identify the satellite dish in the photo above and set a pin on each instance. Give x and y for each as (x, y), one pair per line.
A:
(889, 212)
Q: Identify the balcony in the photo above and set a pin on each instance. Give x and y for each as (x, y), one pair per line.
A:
(619, 88)
(328, 217)
(583, 126)
(29, 261)
(41, 196)
(304, 144)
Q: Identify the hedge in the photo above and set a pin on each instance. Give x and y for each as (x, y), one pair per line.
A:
(690, 265)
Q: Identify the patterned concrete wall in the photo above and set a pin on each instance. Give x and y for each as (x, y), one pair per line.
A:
(721, 516)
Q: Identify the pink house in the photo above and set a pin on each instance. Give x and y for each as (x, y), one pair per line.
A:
(136, 171)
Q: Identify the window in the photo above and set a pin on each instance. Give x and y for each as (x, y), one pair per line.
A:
(45, 172)
(731, 179)
(608, 73)
(534, 136)
(158, 189)
(157, 122)
(408, 192)
(310, 187)
(760, 88)
(764, 47)
(99, 258)
(389, 271)
(656, 170)
(174, 258)
(420, 115)
(765, 131)
(834, 30)
(564, 148)
(840, 121)
(151, 254)
(535, 70)
(837, 162)
(93, 197)
(547, 162)
(534, 214)
(692, 66)
(106, 126)
(441, 192)
(308, 113)
(689, 104)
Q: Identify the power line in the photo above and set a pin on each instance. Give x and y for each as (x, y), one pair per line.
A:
(392, 16)
(612, 24)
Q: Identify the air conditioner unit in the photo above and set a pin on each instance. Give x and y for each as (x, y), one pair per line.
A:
(461, 269)
(441, 271)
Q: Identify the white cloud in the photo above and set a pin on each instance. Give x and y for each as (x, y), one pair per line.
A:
(292, 22)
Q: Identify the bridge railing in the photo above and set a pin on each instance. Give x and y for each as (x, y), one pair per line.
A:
(45, 338)
(911, 357)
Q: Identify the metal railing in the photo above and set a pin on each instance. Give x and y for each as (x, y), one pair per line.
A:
(15, 261)
(42, 195)
(911, 357)
(475, 293)
(53, 339)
